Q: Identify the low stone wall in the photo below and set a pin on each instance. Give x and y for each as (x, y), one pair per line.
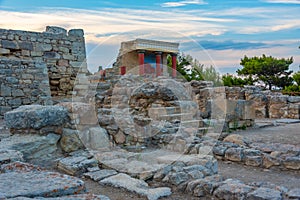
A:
(263, 155)
(23, 82)
(267, 104)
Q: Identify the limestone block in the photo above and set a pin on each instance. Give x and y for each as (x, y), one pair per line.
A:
(265, 193)
(76, 32)
(25, 46)
(234, 154)
(70, 140)
(292, 163)
(255, 161)
(56, 30)
(51, 55)
(135, 185)
(7, 44)
(41, 47)
(32, 146)
(95, 138)
(5, 91)
(39, 184)
(36, 117)
(232, 189)
(4, 51)
(236, 139)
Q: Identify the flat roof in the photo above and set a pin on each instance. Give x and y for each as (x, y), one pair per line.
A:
(150, 45)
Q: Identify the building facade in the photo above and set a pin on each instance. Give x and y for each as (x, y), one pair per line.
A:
(146, 56)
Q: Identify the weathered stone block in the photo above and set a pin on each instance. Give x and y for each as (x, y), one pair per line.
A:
(26, 46)
(269, 161)
(70, 140)
(4, 51)
(76, 32)
(7, 44)
(51, 55)
(135, 185)
(234, 154)
(95, 138)
(292, 163)
(255, 161)
(264, 194)
(5, 91)
(232, 189)
(36, 117)
(56, 30)
(42, 47)
(32, 146)
(39, 184)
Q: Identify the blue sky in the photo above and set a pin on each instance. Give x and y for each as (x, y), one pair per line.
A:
(215, 32)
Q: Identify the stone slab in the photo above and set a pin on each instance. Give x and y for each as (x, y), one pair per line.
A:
(76, 165)
(101, 174)
(36, 117)
(287, 121)
(70, 197)
(39, 184)
(135, 185)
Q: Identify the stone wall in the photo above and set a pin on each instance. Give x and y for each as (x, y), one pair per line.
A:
(267, 104)
(63, 53)
(22, 83)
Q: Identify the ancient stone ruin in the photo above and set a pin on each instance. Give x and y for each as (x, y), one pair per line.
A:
(35, 66)
(147, 131)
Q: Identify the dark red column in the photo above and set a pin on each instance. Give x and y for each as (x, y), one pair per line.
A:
(158, 63)
(123, 70)
(141, 62)
(174, 60)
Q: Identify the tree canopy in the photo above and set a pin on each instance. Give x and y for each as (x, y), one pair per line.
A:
(267, 69)
(192, 69)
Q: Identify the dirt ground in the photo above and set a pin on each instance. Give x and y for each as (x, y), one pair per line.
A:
(282, 133)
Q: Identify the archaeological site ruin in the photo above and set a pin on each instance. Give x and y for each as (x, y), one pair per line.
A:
(139, 126)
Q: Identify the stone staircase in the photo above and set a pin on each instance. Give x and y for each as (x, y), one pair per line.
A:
(167, 124)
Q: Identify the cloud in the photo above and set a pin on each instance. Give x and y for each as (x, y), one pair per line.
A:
(182, 3)
(229, 44)
(101, 24)
(215, 29)
(283, 1)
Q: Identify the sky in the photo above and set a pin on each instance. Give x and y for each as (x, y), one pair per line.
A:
(215, 32)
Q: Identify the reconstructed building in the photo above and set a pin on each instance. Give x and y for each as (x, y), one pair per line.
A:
(148, 55)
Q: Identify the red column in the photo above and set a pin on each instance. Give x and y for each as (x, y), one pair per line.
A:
(158, 63)
(174, 60)
(123, 70)
(141, 62)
